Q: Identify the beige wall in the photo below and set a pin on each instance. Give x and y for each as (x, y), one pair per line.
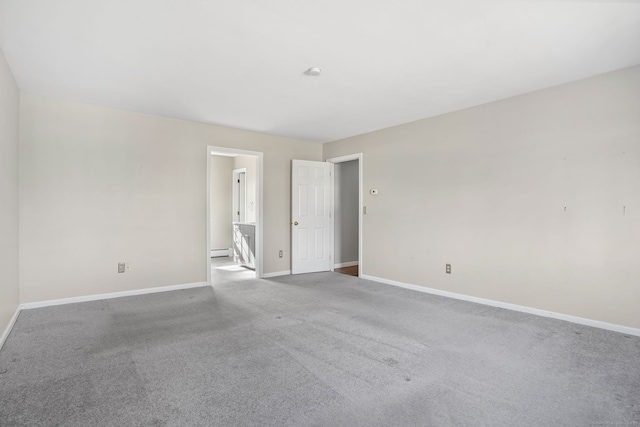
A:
(9, 135)
(101, 185)
(248, 163)
(221, 195)
(485, 189)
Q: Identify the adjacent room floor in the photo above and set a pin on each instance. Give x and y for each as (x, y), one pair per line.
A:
(351, 271)
(321, 349)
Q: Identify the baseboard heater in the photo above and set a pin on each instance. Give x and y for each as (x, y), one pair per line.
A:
(216, 253)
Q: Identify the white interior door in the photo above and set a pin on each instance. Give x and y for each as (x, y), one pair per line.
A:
(239, 201)
(242, 197)
(311, 219)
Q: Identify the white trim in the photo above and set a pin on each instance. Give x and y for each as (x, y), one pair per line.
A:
(521, 308)
(208, 213)
(359, 157)
(276, 274)
(39, 304)
(260, 215)
(347, 158)
(332, 212)
(259, 155)
(9, 327)
(220, 252)
(345, 264)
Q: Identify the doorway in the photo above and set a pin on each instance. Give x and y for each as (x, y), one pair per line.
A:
(234, 209)
(347, 208)
(312, 216)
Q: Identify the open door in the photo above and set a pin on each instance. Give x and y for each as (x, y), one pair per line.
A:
(311, 219)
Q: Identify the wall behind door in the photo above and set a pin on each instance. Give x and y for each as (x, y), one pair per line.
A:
(346, 212)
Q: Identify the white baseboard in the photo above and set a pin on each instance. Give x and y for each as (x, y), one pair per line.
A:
(220, 253)
(7, 330)
(345, 264)
(61, 301)
(521, 308)
(276, 274)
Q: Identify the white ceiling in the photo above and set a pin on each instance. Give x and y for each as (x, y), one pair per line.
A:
(241, 63)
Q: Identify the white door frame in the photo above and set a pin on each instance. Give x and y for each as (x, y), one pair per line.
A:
(259, 155)
(341, 159)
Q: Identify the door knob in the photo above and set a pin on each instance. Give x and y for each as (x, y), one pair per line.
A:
(295, 223)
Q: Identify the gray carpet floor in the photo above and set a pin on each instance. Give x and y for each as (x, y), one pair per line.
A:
(318, 349)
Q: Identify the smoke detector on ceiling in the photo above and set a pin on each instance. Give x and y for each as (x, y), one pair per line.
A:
(313, 71)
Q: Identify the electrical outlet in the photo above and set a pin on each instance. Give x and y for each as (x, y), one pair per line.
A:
(448, 268)
(121, 267)
(280, 254)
